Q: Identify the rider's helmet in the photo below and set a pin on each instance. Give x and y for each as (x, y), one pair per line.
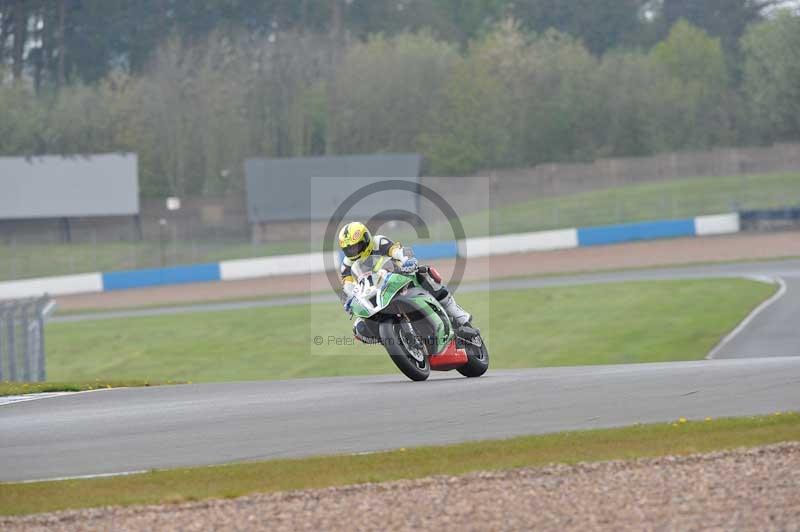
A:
(355, 241)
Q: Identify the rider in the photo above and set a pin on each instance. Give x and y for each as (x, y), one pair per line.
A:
(357, 243)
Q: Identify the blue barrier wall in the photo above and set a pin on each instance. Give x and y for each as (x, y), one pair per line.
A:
(612, 234)
(194, 273)
(435, 250)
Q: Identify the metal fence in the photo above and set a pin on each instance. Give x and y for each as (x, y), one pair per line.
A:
(22, 347)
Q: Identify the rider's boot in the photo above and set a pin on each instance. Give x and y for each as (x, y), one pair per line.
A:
(458, 315)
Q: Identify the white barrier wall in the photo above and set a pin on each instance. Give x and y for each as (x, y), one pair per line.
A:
(55, 286)
(283, 265)
(719, 224)
(523, 242)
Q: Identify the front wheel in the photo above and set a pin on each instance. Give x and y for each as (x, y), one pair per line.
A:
(477, 358)
(406, 349)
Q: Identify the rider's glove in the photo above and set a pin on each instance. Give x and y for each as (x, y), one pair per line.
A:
(348, 304)
(410, 265)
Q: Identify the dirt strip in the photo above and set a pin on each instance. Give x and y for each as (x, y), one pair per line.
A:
(745, 246)
(756, 489)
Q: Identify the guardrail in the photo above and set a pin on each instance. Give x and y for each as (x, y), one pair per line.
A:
(22, 350)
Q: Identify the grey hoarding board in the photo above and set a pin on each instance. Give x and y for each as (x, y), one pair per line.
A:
(280, 189)
(68, 187)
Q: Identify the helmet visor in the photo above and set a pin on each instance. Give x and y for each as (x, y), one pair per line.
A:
(354, 250)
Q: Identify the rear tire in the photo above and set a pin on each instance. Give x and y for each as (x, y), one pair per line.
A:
(401, 356)
(477, 360)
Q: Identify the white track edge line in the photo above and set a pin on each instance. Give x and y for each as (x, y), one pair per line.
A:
(750, 317)
(49, 395)
(77, 477)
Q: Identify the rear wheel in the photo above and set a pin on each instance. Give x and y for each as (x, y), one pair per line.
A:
(406, 349)
(477, 358)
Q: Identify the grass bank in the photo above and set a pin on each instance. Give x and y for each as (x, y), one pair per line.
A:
(676, 198)
(556, 326)
(172, 486)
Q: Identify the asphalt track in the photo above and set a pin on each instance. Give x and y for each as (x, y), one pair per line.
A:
(124, 430)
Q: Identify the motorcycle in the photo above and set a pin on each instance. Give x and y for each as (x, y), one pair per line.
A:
(414, 328)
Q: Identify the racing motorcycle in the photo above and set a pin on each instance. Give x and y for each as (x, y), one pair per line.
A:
(414, 328)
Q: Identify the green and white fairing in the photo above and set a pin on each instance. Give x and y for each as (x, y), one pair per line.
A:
(381, 289)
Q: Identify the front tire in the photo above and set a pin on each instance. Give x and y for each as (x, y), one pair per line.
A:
(477, 359)
(402, 350)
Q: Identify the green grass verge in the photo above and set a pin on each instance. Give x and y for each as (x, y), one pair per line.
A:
(22, 388)
(676, 198)
(556, 326)
(190, 484)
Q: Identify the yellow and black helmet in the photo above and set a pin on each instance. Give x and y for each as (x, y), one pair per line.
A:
(355, 241)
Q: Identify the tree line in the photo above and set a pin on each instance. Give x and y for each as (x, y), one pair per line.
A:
(196, 87)
(60, 41)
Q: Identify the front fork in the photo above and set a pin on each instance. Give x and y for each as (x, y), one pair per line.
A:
(411, 339)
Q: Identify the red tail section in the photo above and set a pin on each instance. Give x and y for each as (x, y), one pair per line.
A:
(450, 358)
